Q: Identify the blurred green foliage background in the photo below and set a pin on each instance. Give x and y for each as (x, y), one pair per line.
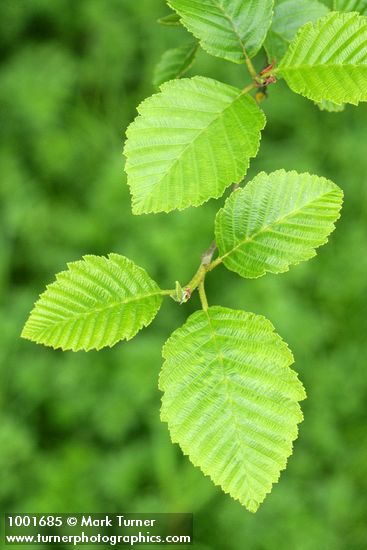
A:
(81, 432)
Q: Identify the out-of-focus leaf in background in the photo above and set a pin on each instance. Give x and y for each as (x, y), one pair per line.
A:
(81, 432)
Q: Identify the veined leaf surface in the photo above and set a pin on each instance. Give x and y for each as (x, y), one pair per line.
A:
(230, 29)
(289, 16)
(328, 59)
(97, 302)
(231, 400)
(175, 63)
(277, 220)
(189, 143)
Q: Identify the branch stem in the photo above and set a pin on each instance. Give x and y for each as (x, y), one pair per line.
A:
(249, 87)
(197, 278)
(214, 263)
(183, 294)
(207, 256)
(251, 69)
(167, 292)
(202, 294)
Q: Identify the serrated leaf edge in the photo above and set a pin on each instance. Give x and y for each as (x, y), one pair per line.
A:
(296, 432)
(24, 334)
(138, 212)
(231, 198)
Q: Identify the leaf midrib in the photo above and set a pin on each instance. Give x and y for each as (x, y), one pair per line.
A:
(189, 144)
(188, 62)
(274, 224)
(320, 65)
(229, 400)
(232, 23)
(97, 310)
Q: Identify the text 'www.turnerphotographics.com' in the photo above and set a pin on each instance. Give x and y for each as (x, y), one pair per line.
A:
(108, 529)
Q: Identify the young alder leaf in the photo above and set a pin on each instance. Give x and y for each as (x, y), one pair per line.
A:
(171, 20)
(328, 59)
(231, 400)
(189, 143)
(277, 220)
(289, 16)
(175, 63)
(231, 29)
(351, 5)
(96, 303)
(330, 106)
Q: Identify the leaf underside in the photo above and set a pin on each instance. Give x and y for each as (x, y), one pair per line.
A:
(328, 59)
(330, 106)
(170, 20)
(175, 63)
(226, 28)
(277, 220)
(351, 5)
(231, 400)
(289, 16)
(189, 143)
(96, 303)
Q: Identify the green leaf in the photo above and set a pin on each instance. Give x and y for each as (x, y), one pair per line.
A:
(171, 20)
(231, 400)
(277, 220)
(175, 63)
(330, 106)
(96, 303)
(351, 5)
(189, 143)
(289, 16)
(230, 29)
(328, 59)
